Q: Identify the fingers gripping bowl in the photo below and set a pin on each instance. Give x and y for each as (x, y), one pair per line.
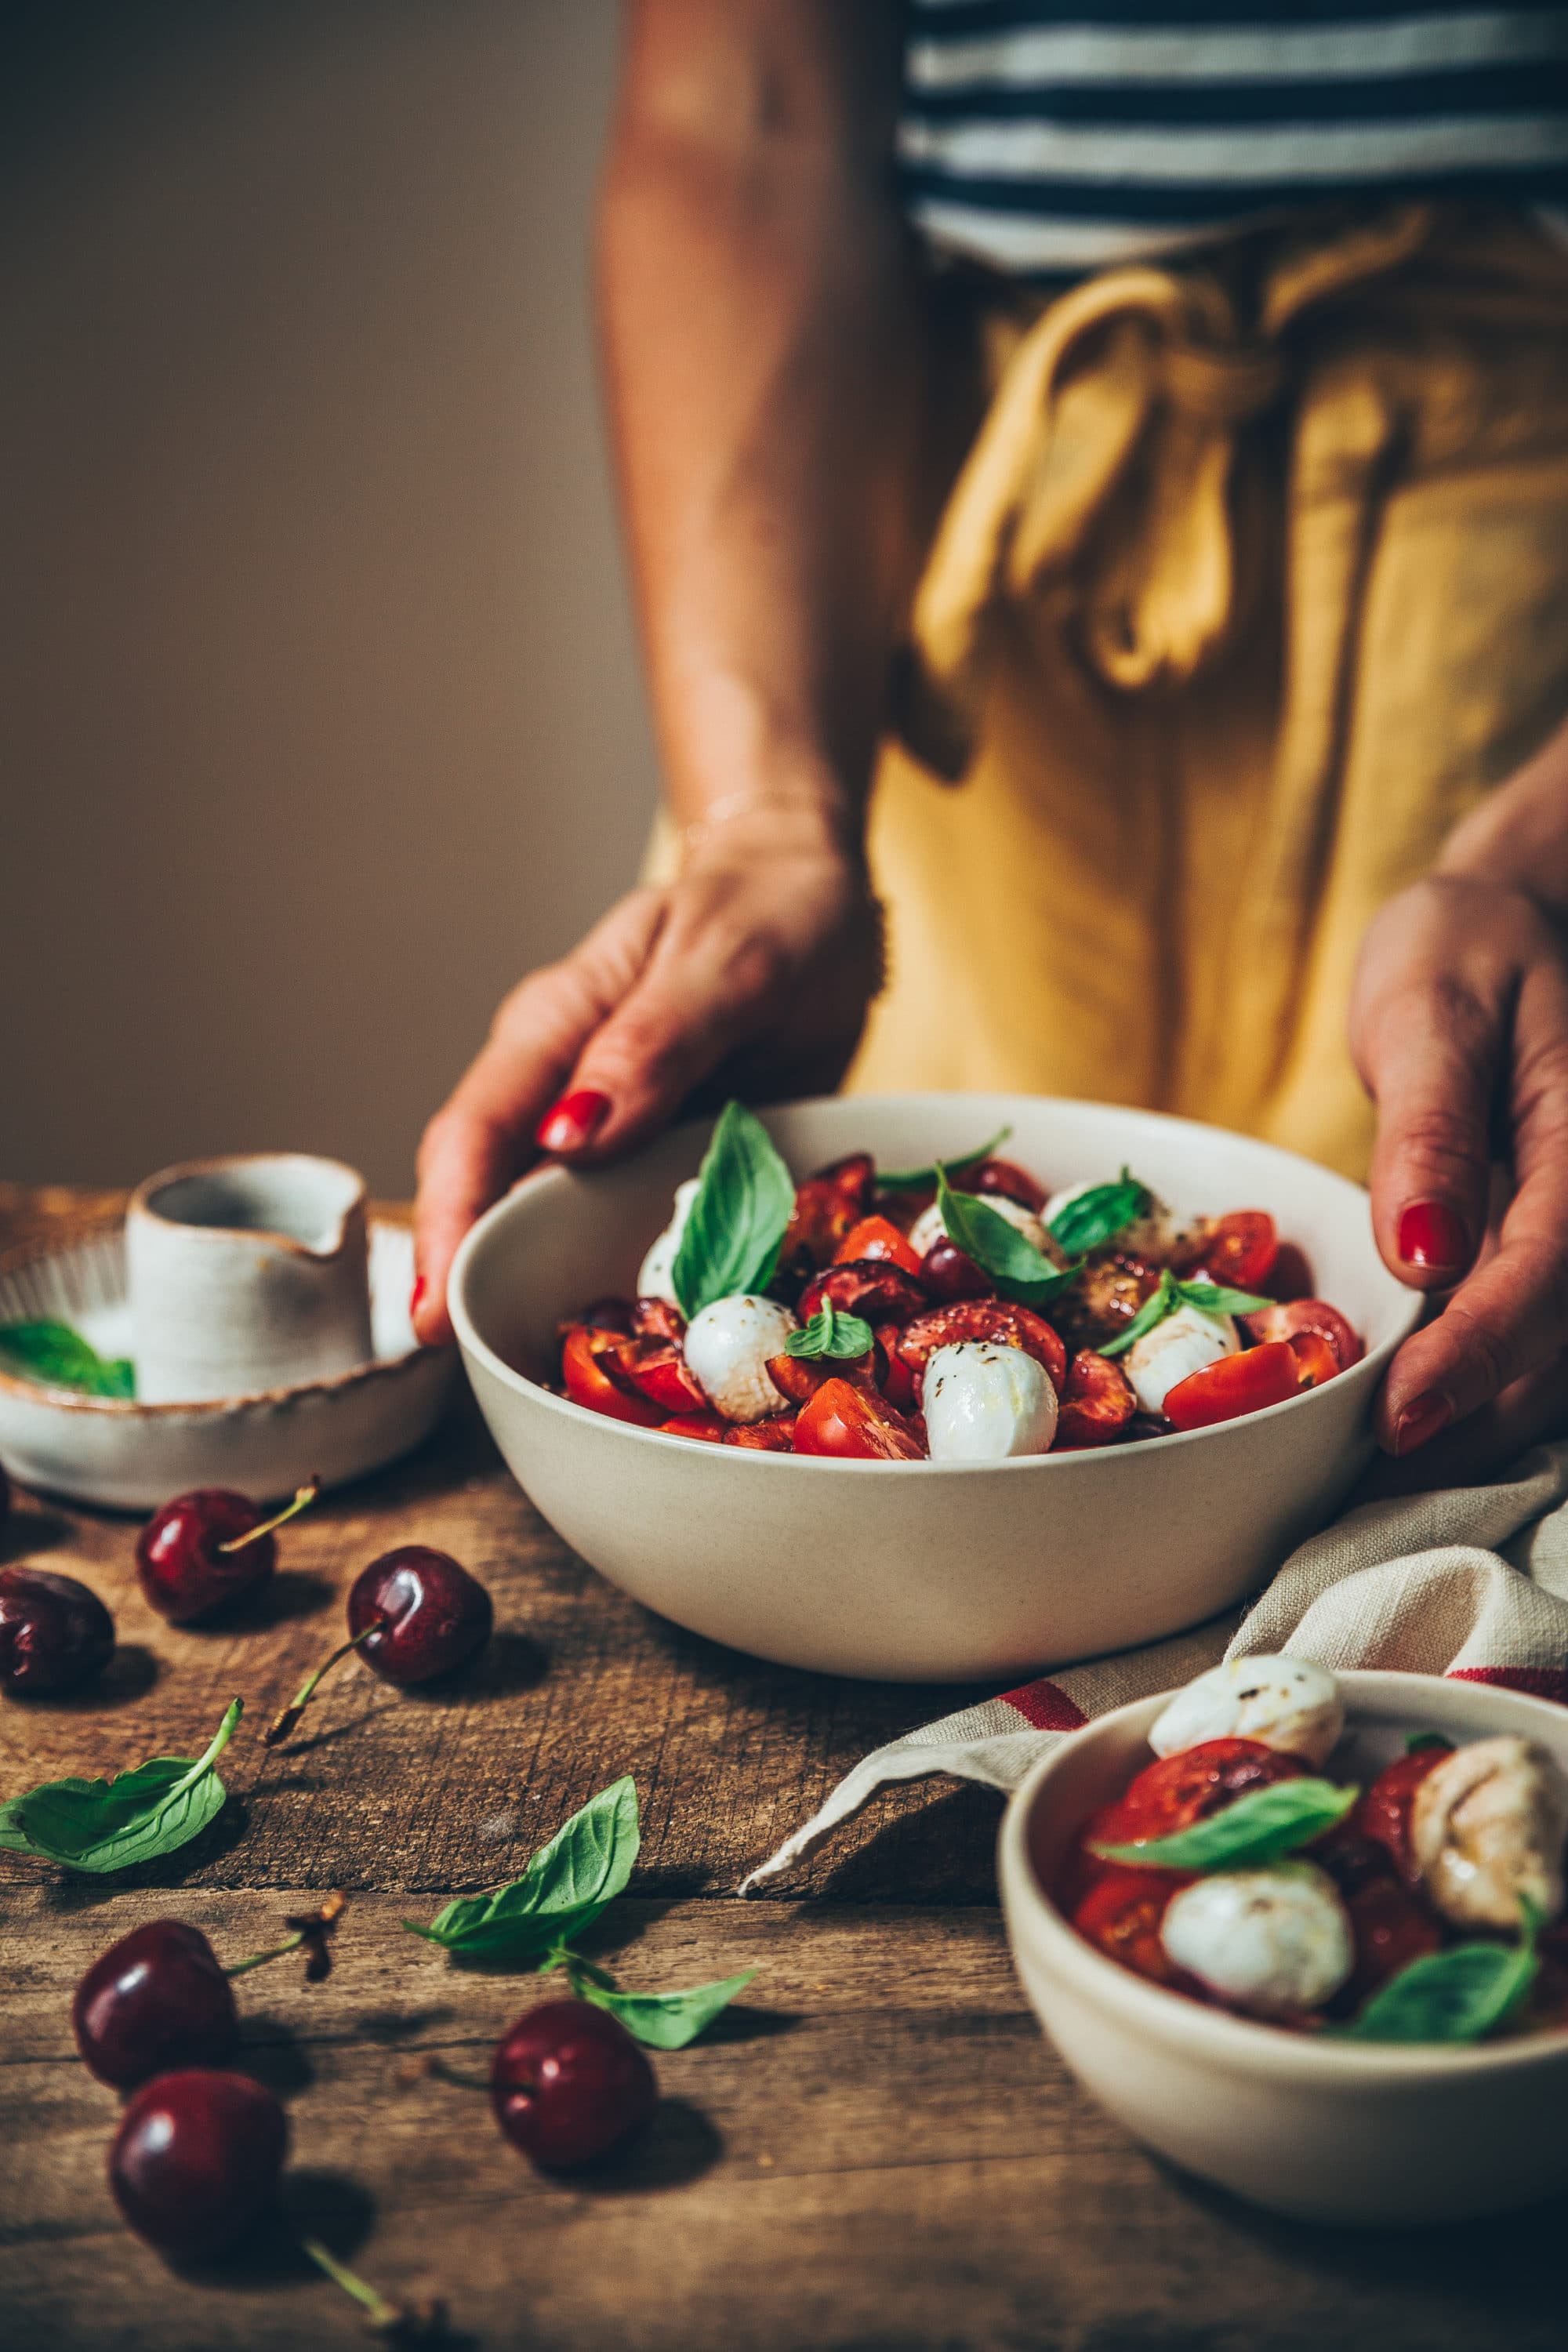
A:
(916, 1569)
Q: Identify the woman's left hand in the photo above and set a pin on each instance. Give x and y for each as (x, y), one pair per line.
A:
(1460, 1029)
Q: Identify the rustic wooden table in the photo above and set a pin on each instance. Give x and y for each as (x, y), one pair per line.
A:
(874, 2149)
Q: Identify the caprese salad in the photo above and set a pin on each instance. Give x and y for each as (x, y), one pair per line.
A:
(1425, 1907)
(954, 1312)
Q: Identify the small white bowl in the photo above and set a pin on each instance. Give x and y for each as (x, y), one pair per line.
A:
(922, 1571)
(1322, 2130)
(132, 1457)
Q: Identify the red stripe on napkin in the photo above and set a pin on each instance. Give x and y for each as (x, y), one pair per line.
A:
(1046, 1706)
(1536, 1682)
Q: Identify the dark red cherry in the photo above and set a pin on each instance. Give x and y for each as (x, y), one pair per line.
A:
(568, 2083)
(196, 2160)
(54, 1633)
(949, 1274)
(157, 1998)
(415, 1614)
(204, 1548)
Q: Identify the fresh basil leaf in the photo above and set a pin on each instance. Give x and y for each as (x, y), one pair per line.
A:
(832, 1334)
(664, 2021)
(564, 1888)
(59, 1358)
(1019, 1270)
(745, 1198)
(1097, 1216)
(916, 1180)
(1257, 1828)
(1416, 1741)
(1213, 1298)
(103, 1825)
(1460, 1995)
(1153, 1310)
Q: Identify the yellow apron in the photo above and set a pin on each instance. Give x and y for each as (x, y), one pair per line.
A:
(1253, 579)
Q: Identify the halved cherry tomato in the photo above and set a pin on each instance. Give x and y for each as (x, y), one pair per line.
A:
(824, 1213)
(1315, 1359)
(1384, 1812)
(1236, 1385)
(984, 1318)
(1308, 1315)
(869, 1288)
(949, 1273)
(1121, 1916)
(1174, 1791)
(656, 1369)
(894, 1377)
(659, 1319)
(1007, 1178)
(1241, 1249)
(1096, 1404)
(847, 1422)
(853, 1176)
(797, 1377)
(585, 1359)
(775, 1435)
(710, 1427)
(873, 1237)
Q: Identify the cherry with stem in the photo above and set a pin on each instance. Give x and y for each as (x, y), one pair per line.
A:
(208, 1547)
(413, 1614)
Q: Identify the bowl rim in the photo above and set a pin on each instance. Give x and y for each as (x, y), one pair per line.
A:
(1245, 2044)
(131, 1408)
(553, 1176)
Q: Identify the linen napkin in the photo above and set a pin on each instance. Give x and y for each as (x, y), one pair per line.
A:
(1466, 1580)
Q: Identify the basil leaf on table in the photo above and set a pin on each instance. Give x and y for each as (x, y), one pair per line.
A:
(664, 2021)
(1208, 1297)
(832, 1334)
(101, 1825)
(916, 1180)
(1019, 1270)
(1460, 1995)
(1257, 1828)
(564, 1888)
(1097, 1216)
(59, 1358)
(744, 1200)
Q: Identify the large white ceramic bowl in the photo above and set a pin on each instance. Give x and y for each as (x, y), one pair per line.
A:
(1322, 2130)
(922, 1571)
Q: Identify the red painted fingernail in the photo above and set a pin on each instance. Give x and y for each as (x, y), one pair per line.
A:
(1421, 1421)
(1431, 1236)
(573, 1121)
(418, 1293)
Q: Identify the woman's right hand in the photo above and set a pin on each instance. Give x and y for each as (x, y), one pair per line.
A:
(758, 963)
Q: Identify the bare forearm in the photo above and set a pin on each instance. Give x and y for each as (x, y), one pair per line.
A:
(1518, 836)
(760, 335)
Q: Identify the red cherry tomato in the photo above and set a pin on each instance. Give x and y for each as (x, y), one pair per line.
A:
(1241, 1249)
(1008, 1179)
(984, 1318)
(656, 1369)
(873, 1237)
(822, 1215)
(949, 1272)
(894, 1377)
(1121, 1916)
(798, 1378)
(710, 1427)
(775, 1435)
(870, 1287)
(585, 1356)
(1096, 1404)
(1384, 1812)
(847, 1423)
(1314, 1315)
(1174, 1791)
(853, 1176)
(1391, 1929)
(1236, 1385)
(1315, 1359)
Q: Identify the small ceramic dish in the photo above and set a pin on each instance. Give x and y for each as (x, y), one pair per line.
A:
(1323, 2130)
(923, 1572)
(134, 1456)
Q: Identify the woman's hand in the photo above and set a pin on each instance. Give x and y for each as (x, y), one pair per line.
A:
(759, 962)
(1460, 1028)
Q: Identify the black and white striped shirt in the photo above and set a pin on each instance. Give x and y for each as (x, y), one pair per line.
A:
(1058, 135)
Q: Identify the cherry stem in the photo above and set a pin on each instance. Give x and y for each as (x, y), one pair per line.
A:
(382, 2312)
(302, 1500)
(283, 1723)
(259, 1959)
(313, 1931)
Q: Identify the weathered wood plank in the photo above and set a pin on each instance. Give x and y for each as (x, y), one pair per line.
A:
(877, 2150)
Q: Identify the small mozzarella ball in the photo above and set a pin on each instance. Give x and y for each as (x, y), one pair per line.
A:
(1488, 1826)
(929, 1227)
(655, 1279)
(983, 1401)
(1184, 1343)
(1284, 1702)
(727, 1347)
(1268, 1941)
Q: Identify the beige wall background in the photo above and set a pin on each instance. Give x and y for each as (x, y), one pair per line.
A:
(319, 713)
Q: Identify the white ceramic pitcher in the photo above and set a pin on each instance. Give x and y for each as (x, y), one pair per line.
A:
(246, 1274)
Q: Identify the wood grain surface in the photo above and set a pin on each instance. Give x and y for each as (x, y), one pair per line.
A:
(875, 2150)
